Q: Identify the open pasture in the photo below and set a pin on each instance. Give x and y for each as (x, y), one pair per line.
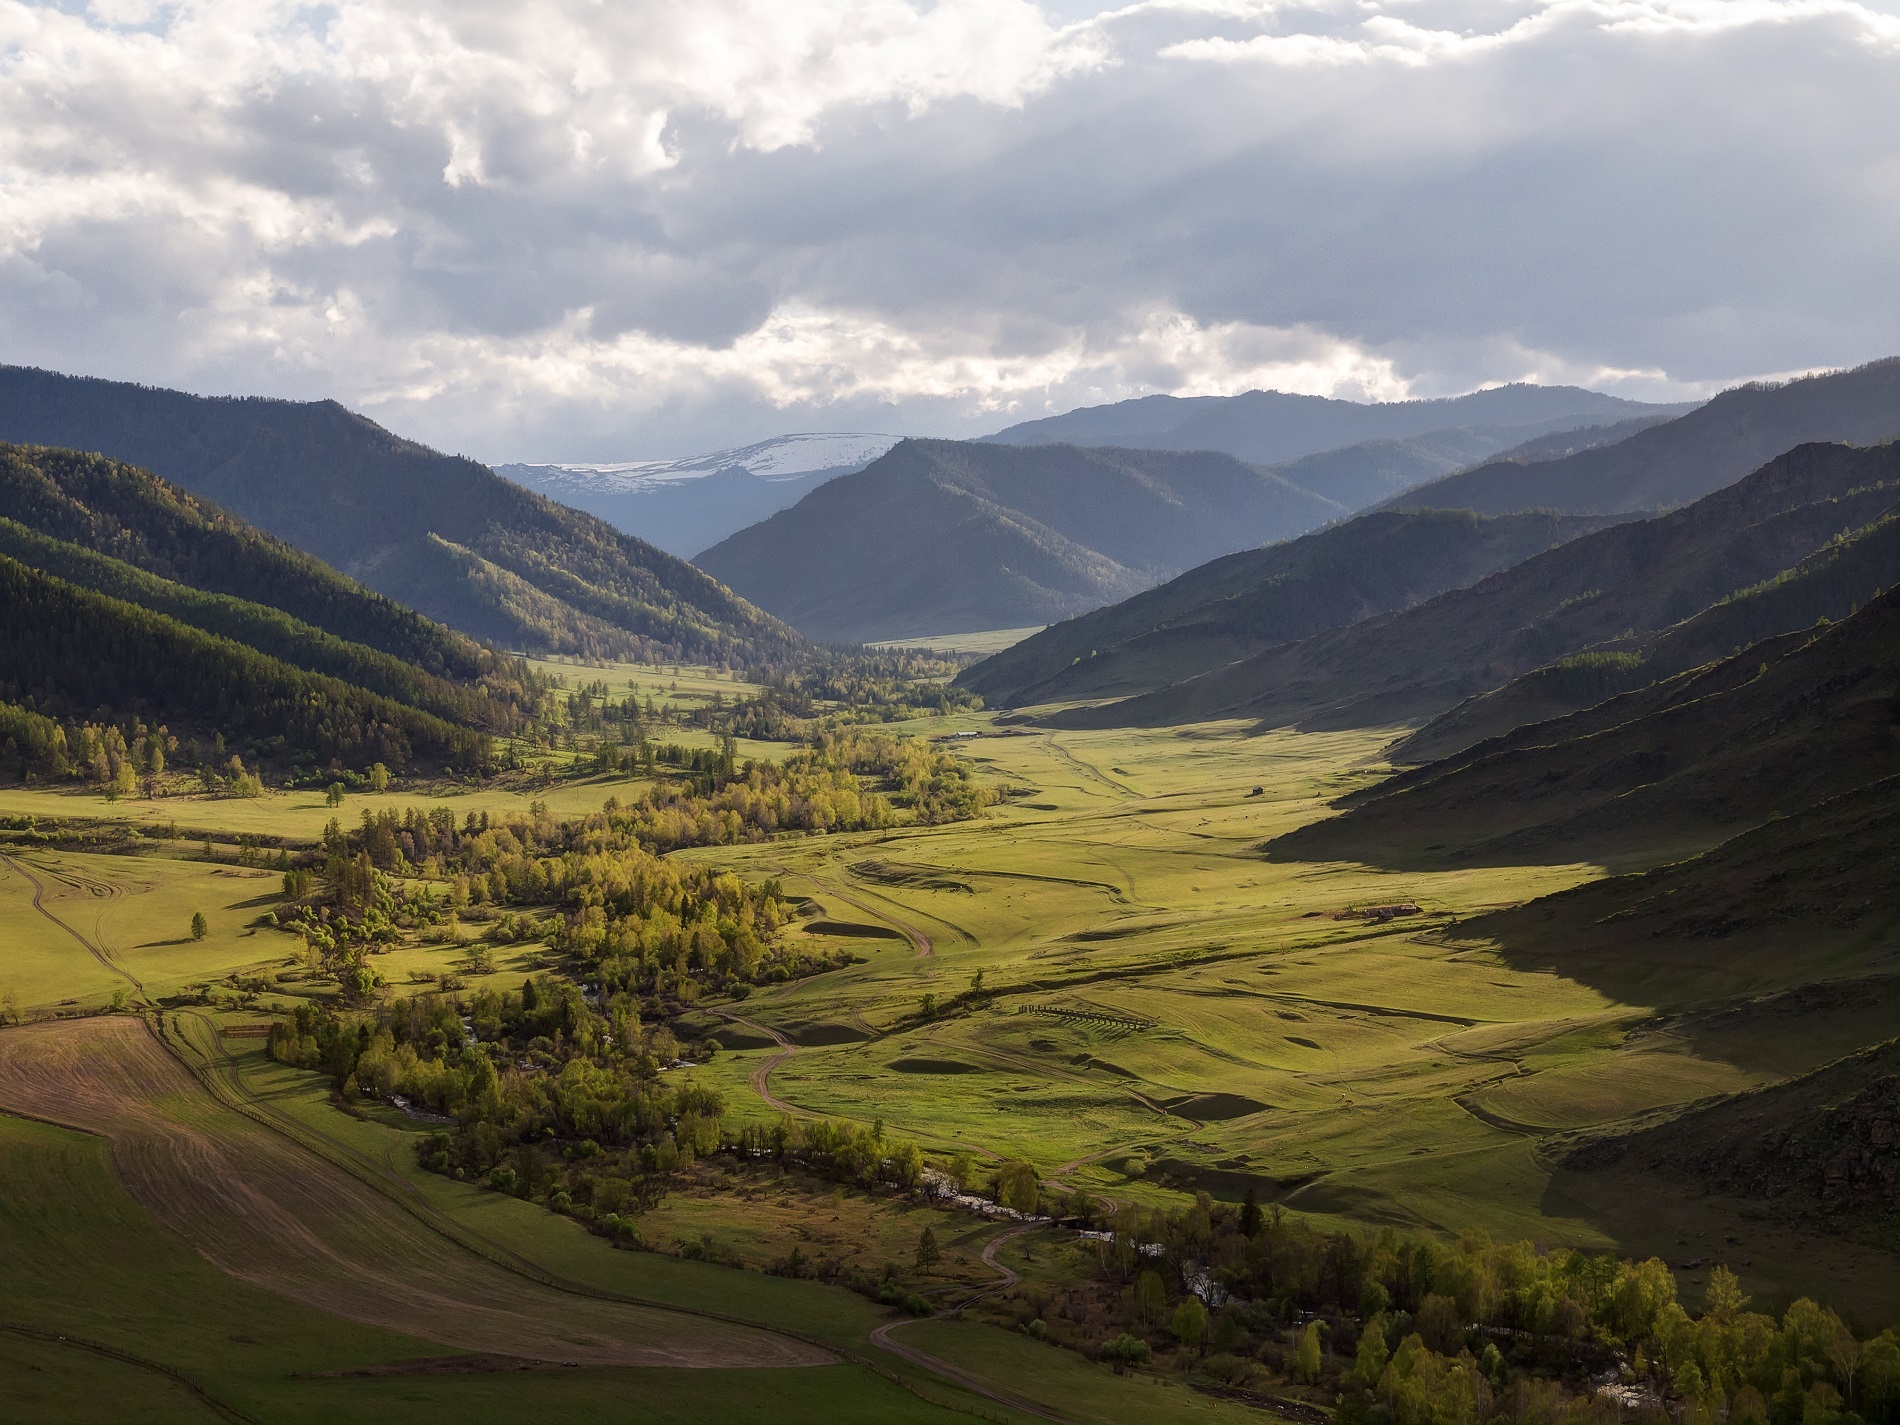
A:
(284, 1220)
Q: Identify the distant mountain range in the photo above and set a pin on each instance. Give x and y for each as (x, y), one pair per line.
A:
(1641, 575)
(684, 506)
(1683, 460)
(1270, 427)
(439, 533)
(1191, 634)
(938, 536)
(1243, 603)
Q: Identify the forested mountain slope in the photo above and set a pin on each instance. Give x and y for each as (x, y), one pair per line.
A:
(1241, 603)
(443, 534)
(1640, 576)
(944, 536)
(497, 703)
(1831, 584)
(131, 515)
(68, 654)
(1688, 762)
(1683, 460)
(1274, 426)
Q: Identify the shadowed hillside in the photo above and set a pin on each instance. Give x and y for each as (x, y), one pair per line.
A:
(945, 536)
(1639, 576)
(1237, 605)
(1828, 585)
(441, 533)
(1684, 459)
(1685, 763)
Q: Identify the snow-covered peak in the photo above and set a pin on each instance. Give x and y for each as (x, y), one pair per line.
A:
(780, 458)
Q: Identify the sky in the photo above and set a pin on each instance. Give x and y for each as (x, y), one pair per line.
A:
(622, 229)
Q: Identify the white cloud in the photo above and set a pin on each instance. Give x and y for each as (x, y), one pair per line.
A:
(577, 230)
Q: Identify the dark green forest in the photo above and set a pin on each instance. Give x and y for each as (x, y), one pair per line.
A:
(74, 655)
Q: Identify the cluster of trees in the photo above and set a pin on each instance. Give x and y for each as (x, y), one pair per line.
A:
(1410, 1331)
(546, 1096)
(846, 1152)
(661, 930)
(73, 651)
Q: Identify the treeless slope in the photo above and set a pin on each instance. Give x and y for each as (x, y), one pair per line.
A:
(942, 536)
(1686, 458)
(1695, 760)
(1633, 577)
(1241, 603)
(1831, 584)
(269, 1213)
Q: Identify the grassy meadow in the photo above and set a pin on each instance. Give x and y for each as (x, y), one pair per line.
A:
(1161, 1008)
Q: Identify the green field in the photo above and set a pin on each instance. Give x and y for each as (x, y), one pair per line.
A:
(1164, 1009)
(983, 643)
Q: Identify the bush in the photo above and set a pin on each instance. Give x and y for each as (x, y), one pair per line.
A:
(1125, 1351)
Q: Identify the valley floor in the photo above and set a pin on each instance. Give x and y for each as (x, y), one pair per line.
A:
(1162, 1008)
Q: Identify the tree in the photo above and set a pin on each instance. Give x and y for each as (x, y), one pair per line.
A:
(198, 927)
(378, 778)
(1306, 1360)
(334, 796)
(1151, 1299)
(1018, 1186)
(1724, 1300)
(1372, 1354)
(928, 1254)
(1125, 1351)
(1250, 1214)
(1190, 1323)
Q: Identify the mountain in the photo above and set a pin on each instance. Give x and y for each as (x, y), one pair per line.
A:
(1685, 763)
(133, 516)
(1640, 575)
(1685, 459)
(1242, 603)
(1830, 584)
(68, 654)
(684, 506)
(440, 533)
(1272, 426)
(945, 536)
(1377, 470)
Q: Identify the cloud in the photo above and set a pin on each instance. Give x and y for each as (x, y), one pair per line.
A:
(572, 230)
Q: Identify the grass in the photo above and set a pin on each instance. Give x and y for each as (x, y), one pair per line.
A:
(1158, 994)
(984, 642)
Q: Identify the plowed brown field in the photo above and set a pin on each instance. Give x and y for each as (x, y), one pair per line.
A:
(270, 1213)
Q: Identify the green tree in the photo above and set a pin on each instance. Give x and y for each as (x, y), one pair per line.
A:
(928, 1254)
(1190, 1323)
(1724, 1300)
(334, 796)
(1018, 1186)
(379, 778)
(198, 927)
(1306, 1360)
(1125, 1351)
(1250, 1218)
(1373, 1352)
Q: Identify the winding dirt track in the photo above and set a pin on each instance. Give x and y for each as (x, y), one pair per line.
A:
(263, 1209)
(885, 1339)
(39, 890)
(761, 1077)
(922, 942)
